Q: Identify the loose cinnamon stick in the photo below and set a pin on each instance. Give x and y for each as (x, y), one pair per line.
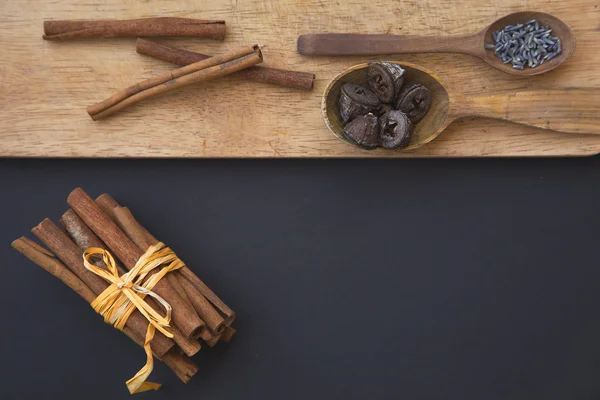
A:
(124, 249)
(71, 256)
(201, 71)
(143, 239)
(85, 238)
(183, 367)
(151, 27)
(128, 223)
(272, 76)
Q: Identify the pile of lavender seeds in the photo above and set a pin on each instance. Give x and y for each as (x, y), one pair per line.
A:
(525, 45)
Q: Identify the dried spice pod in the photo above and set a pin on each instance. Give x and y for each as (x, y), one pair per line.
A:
(395, 130)
(414, 100)
(385, 80)
(355, 101)
(363, 131)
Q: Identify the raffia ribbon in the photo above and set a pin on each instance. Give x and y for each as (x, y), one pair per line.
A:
(126, 294)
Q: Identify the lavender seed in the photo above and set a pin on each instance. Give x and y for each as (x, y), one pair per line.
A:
(525, 44)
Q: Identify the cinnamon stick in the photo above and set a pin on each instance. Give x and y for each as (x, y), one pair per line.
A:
(71, 256)
(201, 71)
(144, 239)
(212, 342)
(36, 247)
(228, 334)
(124, 249)
(210, 339)
(183, 367)
(85, 238)
(151, 27)
(46, 260)
(172, 278)
(214, 320)
(107, 204)
(272, 76)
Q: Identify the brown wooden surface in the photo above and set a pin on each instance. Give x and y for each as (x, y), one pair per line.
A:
(46, 86)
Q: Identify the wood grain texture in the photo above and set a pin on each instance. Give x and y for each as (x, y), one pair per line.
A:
(46, 86)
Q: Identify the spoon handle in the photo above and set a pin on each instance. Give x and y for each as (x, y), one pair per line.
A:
(351, 44)
(571, 110)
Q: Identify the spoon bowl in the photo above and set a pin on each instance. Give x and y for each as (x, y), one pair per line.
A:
(435, 120)
(570, 110)
(345, 44)
(559, 29)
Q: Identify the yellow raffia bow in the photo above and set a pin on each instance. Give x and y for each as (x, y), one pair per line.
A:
(126, 294)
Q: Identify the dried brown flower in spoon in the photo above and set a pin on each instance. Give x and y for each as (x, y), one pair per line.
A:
(355, 101)
(394, 130)
(414, 100)
(385, 80)
(363, 131)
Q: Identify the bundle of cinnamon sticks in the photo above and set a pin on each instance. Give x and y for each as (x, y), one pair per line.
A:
(198, 314)
(196, 67)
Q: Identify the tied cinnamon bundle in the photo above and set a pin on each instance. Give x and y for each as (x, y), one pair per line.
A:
(182, 366)
(201, 71)
(149, 27)
(160, 279)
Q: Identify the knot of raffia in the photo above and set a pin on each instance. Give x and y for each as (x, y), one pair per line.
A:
(126, 294)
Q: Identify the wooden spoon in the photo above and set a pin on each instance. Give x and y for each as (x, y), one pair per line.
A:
(345, 44)
(570, 110)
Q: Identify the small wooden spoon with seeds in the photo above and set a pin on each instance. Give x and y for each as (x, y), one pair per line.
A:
(347, 44)
(570, 110)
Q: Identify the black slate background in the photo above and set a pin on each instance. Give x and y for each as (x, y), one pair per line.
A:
(353, 279)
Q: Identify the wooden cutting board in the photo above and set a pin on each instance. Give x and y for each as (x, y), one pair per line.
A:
(46, 86)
